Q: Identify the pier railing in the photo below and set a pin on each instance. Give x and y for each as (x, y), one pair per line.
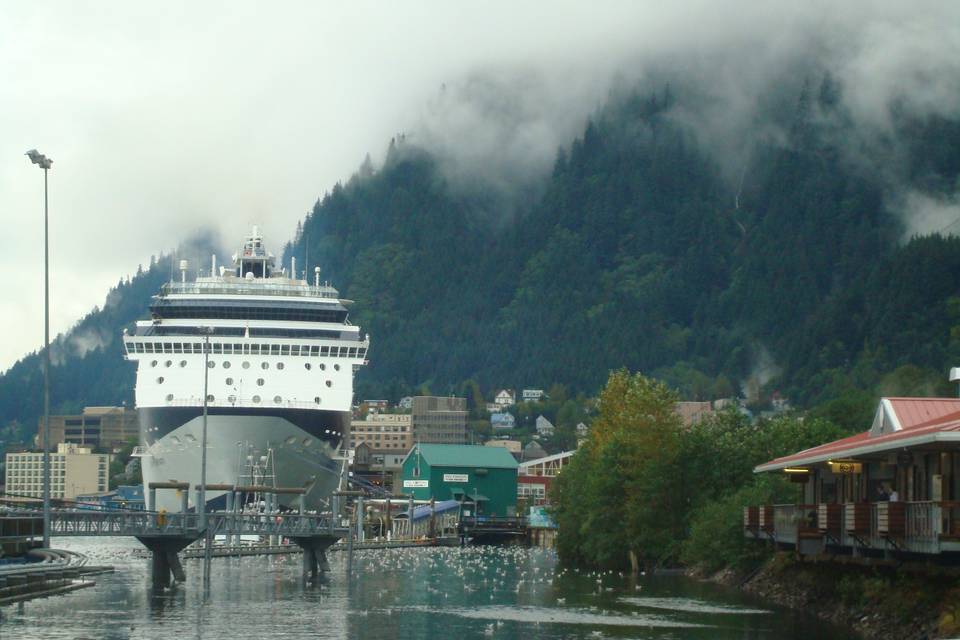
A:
(84, 522)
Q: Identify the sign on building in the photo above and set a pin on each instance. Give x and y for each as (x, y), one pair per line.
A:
(455, 477)
(416, 484)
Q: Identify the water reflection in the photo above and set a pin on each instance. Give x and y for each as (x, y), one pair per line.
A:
(416, 593)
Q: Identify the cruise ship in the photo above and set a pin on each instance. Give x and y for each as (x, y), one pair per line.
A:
(276, 354)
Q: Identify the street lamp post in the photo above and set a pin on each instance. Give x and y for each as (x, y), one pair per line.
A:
(202, 507)
(44, 162)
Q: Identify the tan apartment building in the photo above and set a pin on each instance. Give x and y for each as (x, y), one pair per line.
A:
(383, 432)
(74, 470)
(441, 420)
(110, 427)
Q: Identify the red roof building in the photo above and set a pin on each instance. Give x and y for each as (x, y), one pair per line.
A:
(894, 488)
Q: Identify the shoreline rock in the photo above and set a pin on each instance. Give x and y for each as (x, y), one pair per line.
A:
(904, 602)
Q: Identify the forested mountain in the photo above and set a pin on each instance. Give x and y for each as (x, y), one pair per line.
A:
(640, 254)
(87, 365)
(638, 250)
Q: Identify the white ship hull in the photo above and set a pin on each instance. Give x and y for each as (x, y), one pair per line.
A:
(299, 459)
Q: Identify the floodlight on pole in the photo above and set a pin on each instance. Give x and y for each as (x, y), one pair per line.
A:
(44, 162)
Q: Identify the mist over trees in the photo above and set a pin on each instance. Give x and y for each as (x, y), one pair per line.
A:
(787, 266)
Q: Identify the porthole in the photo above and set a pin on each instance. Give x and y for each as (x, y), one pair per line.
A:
(306, 365)
(210, 398)
(226, 364)
(183, 363)
(307, 442)
(169, 397)
(329, 383)
(317, 400)
(323, 367)
(336, 367)
(259, 382)
(211, 364)
(265, 365)
(229, 382)
(256, 399)
(245, 365)
(279, 365)
(291, 440)
(277, 399)
(231, 399)
(160, 380)
(153, 364)
(167, 363)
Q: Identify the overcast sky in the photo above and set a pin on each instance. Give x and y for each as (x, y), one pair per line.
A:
(163, 118)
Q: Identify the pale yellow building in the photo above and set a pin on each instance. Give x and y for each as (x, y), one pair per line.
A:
(383, 432)
(74, 470)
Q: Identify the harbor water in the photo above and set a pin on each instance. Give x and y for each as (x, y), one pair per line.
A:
(475, 592)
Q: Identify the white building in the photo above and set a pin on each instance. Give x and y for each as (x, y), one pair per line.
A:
(582, 430)
(544, 427)
(533, 395)
(74, 470)
(505, 398)
(406, 402)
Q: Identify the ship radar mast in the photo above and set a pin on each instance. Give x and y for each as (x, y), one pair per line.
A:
(253, 261)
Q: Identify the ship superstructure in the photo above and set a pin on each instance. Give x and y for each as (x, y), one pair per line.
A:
(280, 356)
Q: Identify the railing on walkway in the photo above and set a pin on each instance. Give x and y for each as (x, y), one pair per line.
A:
(83, 522)
(919, 527)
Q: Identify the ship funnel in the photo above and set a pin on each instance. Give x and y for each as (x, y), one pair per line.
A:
(183, 270)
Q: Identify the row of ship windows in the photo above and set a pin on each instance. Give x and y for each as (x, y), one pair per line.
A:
(246, 365)
(229, 382)
(248, 349)
(233, 399)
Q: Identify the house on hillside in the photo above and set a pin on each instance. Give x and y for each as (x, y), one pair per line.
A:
(533, 451)
(505, 398)
(406, 402)
(533, 395)
(502, 421)
(893, 488)
(545, 428)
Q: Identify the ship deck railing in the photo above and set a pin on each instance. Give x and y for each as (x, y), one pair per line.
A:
(262, 288)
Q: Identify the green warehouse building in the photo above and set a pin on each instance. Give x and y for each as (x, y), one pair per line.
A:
(483, 479)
